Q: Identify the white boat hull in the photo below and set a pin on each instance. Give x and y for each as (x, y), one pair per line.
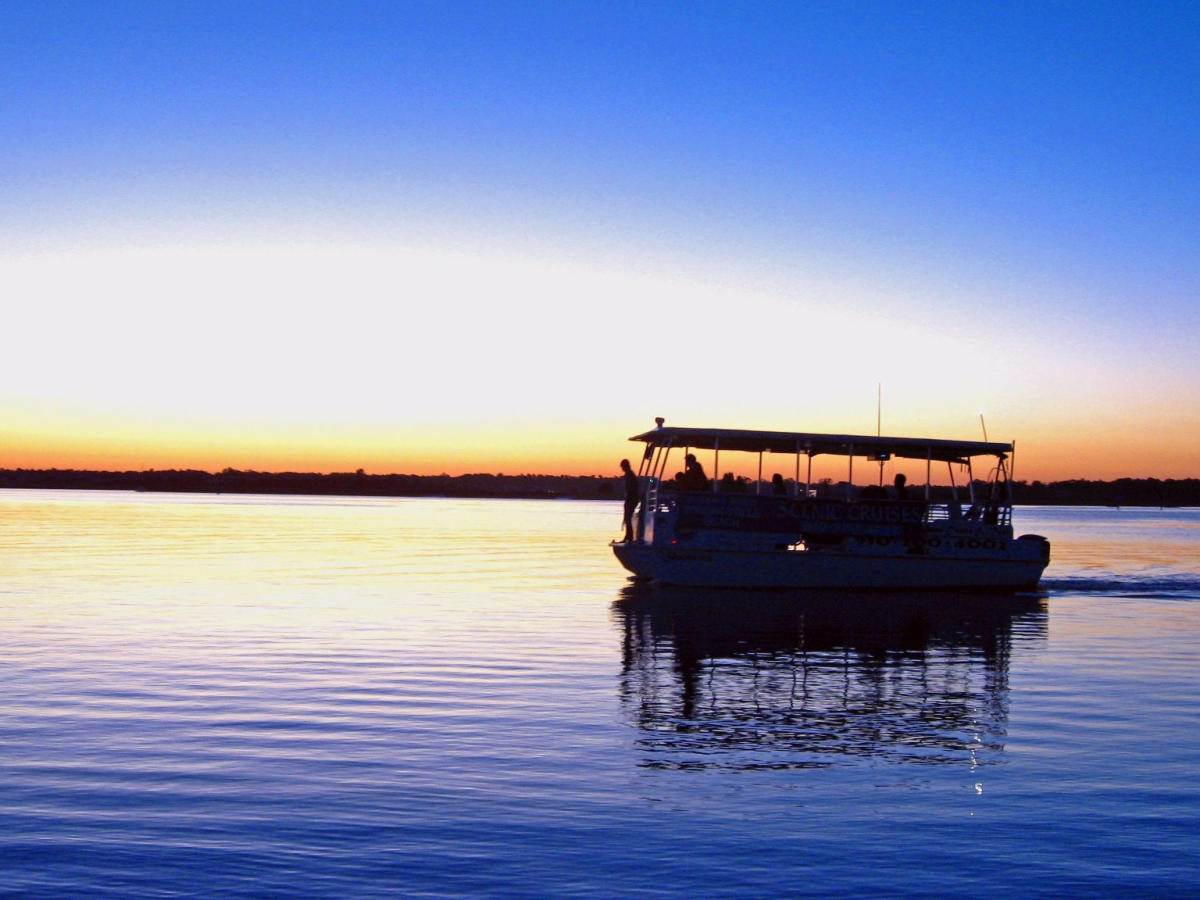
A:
(714, 567)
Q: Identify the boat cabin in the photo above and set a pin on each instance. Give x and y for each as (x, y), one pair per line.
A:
(860, 509)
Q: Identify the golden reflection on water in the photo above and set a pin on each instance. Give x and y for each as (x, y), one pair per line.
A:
(142, 568)
(503, 595)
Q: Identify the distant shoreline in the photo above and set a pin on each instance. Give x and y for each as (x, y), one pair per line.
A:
(1077, 492)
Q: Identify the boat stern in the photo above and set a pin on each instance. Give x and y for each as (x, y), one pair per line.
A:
(635, 556)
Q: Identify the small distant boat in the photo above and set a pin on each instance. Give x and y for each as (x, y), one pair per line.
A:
(737, 533)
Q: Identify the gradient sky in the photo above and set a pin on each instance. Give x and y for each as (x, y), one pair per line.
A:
(426, 237)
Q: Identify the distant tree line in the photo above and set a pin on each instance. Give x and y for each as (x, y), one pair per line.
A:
(1122, 492)
(1077, 492)
(235, 481)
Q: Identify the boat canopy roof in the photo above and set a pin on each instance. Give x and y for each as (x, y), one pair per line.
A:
(815, 444)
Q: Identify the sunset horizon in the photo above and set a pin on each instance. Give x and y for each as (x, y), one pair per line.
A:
(461, 455)
(324, 238)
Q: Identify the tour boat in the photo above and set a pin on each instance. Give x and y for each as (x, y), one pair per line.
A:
(793, 533)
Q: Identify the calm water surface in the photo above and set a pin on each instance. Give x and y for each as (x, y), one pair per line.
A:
(315, 697)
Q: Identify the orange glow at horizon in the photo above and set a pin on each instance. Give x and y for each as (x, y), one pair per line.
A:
(415, 360)
(529, 449)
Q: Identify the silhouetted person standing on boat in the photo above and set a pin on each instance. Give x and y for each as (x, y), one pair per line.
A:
(632, 493)
(901, 487)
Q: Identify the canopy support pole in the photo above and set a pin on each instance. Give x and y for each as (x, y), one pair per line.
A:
(796, 480)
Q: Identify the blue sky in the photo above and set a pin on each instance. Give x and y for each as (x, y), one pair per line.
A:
(1027, 171)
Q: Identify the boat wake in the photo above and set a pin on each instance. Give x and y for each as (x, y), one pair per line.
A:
(1180, 586)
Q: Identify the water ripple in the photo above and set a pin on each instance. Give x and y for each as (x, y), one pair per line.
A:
(268, 697)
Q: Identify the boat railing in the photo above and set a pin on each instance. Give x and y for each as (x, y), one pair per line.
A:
(943, 512)
(991, 512)
(761, 509)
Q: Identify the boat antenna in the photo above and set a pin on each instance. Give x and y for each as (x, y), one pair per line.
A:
(984, 424)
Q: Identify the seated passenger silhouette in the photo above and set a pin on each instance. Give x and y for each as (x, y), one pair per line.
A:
(694, 478)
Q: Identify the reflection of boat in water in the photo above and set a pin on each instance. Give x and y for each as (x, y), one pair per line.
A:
(723, 534)
(747, 679)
